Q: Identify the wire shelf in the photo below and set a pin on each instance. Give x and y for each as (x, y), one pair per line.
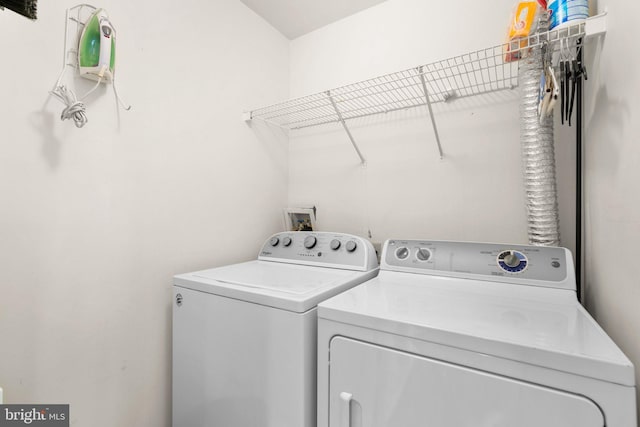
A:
(488, 70)
(474, 73)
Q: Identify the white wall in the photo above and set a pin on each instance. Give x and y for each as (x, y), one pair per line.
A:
(95, 221)
(612, 199)
(476, 192)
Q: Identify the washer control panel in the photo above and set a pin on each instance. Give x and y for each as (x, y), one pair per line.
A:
(488, 261)
(320, 248)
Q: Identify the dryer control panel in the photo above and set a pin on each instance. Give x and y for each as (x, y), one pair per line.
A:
(530, 265)
(322, 249)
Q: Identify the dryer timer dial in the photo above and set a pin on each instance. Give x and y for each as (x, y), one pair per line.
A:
(512, 261)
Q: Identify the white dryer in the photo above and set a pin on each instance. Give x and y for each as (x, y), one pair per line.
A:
(244, 335)
(469, 335)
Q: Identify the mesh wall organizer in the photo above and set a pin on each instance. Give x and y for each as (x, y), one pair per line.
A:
(475, 73)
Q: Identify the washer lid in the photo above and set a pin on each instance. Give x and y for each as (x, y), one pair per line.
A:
(540, 326)
(290, 287)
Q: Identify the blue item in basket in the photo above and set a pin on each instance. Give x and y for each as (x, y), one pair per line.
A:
(567, 12)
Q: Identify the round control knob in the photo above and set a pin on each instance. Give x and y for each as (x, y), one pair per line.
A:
(286, 241)
(335, 244)
(423, 254)
(512, 259)
(351, 246)
(274, 241)
(402, 253)
(310, 242)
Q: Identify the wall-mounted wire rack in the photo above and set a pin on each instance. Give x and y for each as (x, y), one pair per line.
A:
(483, 71)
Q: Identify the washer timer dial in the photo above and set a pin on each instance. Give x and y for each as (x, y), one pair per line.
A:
(512, 261)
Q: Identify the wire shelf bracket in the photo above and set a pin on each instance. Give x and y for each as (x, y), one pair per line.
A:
(433, 119)
(363, 161)
(475, 73)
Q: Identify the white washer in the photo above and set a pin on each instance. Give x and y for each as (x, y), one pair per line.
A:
(244, 335)
(469, 334)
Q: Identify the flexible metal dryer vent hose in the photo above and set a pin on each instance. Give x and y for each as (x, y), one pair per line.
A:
(538, 157)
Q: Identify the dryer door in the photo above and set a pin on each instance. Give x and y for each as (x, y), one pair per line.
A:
(373, 386)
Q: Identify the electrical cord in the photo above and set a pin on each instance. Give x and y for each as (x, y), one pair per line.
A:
(75, 109)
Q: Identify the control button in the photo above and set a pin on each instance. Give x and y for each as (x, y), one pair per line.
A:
(402, 253)
(310, 242)
(351, 246)
(423, 254)
(286, 241)
(335, 244)
(555, 264)
(274, 241)
(512, 261)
